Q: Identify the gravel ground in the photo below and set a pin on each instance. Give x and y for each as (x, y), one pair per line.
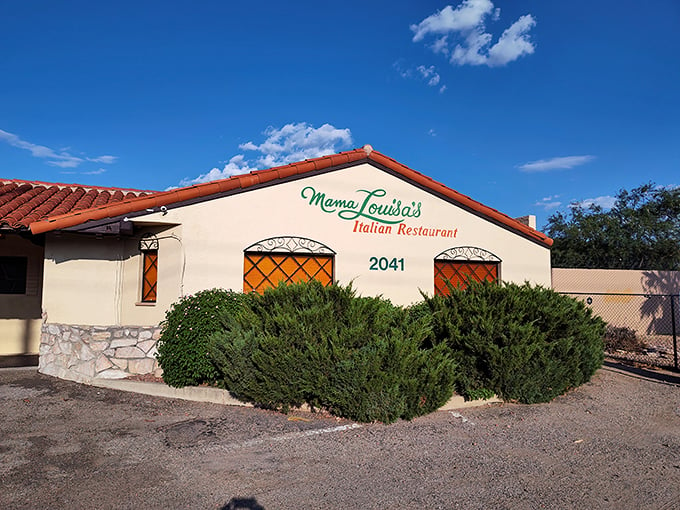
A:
(613, 443)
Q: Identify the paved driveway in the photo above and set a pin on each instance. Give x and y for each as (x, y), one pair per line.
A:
(614, 443)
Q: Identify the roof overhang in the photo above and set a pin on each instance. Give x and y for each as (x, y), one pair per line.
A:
(99, 217)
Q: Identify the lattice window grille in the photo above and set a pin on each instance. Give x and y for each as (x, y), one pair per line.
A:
(150, 276)
(148, 242)
(290, 244)
(458, 273)
(468, 253)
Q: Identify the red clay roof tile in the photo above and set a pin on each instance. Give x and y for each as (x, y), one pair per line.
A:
(24, 202)
(107, 206)
(286, 171)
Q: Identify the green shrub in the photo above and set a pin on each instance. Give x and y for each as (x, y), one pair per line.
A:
(361, 358)
(525, 343)
(480, 394)
(183, 344)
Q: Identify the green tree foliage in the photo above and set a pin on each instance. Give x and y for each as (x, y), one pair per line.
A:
(183, 345)
(361, 358)
(641, 231)
(524, 343)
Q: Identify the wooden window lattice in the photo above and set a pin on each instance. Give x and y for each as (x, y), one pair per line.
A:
(458, 273)
(264, 270)
(150, 276)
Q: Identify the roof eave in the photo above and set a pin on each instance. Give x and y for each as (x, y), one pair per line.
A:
(275, 175)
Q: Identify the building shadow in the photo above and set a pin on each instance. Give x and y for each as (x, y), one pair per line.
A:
(643, 373)
(25, 358)
(662, 287)
(242, 504)
(18, 360)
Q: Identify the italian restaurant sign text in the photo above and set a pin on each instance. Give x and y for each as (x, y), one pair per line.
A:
(372, 213)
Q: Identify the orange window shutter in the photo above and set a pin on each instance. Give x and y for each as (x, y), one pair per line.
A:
(264, 270)
(150, 276)
(457, 273)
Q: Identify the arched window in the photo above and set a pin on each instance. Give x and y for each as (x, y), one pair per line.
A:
(458, 265)
(287, 259)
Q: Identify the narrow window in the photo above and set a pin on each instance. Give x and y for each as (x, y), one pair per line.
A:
(13, 275)
(150, 276)
(148, 245)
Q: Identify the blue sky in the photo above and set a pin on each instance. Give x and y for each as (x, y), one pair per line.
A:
(526, 106)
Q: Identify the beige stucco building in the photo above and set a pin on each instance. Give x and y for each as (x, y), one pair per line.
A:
(111, 272)
(20, 302)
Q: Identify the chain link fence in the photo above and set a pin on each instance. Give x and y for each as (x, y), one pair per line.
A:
(643, 328)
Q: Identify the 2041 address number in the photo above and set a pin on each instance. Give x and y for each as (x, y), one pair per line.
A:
(385, 264)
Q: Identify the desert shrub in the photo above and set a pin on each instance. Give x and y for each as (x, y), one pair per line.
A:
(525, 343)
(361, 358)
(183, 344)
(622, 338)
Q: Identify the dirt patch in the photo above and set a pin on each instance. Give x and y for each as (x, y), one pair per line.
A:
(613, 443)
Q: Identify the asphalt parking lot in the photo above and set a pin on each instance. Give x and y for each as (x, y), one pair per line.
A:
(613, 443)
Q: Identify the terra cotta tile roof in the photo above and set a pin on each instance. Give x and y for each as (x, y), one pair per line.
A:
(58, 219)
(25, 202)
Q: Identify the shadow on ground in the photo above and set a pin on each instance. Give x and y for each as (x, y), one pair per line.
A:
(644, 373)
(19, 360)
(242, 504)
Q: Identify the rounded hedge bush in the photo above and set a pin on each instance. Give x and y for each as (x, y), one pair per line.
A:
(360, 358)
(524, 343)
(183, 344)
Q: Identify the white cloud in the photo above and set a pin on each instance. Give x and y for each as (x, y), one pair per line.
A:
(430, 75)
(291, 143)
(461, 34)
(441, 45)
(432, 132)
(295, 142)
(545, 165)
(99, 171)
(513, 43)
(427, 74)
(404, 73)
(465, 17)
(60, 158)
(235, 166)
(605, 202)
(472, 52)
(549, 202)
(107, 160)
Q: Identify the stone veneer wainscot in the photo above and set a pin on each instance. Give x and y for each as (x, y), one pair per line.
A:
(83, 353)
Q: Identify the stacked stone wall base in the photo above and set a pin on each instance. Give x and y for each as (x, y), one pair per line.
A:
(83, 353)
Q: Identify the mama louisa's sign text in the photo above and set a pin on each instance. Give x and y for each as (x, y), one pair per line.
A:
(374, 216)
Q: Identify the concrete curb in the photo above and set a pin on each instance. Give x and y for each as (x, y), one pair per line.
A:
(458, 402)
(218, 396)
(215, 395)
(195, 393)
(18, 369)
